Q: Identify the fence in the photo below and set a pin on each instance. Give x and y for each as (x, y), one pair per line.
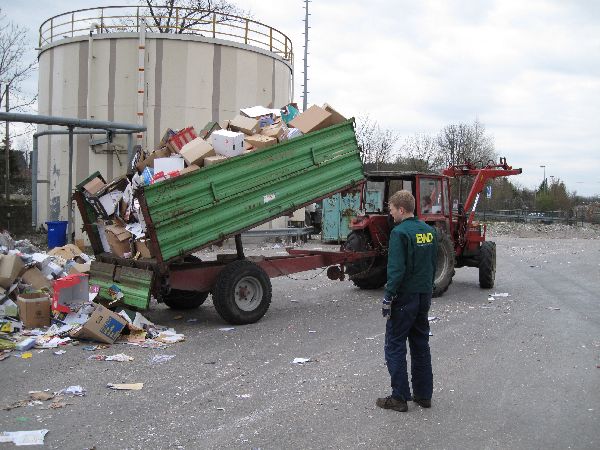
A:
(175, 20)
(544, 217)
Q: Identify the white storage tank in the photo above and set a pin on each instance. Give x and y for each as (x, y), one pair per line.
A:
(113, 64)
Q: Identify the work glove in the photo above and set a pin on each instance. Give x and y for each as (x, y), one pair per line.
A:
(386, 307)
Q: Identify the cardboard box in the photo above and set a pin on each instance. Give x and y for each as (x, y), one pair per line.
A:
(189, 169)
(149, 161)
(228, 143)
(10, 268)
(70, 290)
(166, 136)
(35, 278)
(107, 199)
(182, 137)
(336, 117)
(260, 141)
(279, 131)
(195, 151)
(102, 326)
(118, 240)
(34, 309)
(76, 268)
(214, 160)
(246, 125)
(313, 119)
(94, 186)
(69, 251)
(293, 133)
(208, 129)
(142, 247)
(170, 164)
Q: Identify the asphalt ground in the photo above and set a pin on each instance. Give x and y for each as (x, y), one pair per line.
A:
(518, 372)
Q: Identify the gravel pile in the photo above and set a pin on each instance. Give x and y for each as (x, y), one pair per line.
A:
(552, 231)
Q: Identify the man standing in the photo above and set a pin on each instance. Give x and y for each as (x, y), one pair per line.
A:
(412, 257)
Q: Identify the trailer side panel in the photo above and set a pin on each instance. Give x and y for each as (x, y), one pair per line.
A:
(190, 212)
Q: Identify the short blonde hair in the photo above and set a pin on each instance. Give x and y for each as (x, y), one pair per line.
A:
(403, 199)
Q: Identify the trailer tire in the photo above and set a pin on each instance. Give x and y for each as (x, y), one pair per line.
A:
(487, 265)
(446, 259)
(242, 293)
(180, 299)
(367, 273)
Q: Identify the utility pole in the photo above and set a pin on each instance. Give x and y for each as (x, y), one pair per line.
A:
(7, 151)
(306, 27)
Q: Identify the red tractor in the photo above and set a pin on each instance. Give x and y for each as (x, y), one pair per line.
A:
(461, 240)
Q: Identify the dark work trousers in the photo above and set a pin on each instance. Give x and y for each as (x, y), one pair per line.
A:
(409, 320)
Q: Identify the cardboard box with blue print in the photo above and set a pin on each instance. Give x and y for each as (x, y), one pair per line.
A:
(102, 326)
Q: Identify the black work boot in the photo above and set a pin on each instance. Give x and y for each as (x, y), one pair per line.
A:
(390, 402)
(422, 402)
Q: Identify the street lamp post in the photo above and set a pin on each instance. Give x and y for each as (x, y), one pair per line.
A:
(544, 179)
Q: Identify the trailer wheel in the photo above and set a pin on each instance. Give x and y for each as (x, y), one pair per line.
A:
(445, 264)
(180, 299)
(368, 273)
(242, 293)
(487, 265)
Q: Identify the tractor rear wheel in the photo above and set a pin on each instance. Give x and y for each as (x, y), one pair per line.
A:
(180, 299)
(368, 273)
(242, 292)
(445, 264)
(487, 265)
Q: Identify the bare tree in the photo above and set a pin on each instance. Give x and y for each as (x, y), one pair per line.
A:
(376, 144)
(420, 153)
(461, 143)
(177, 16)
(14, 69)
(14, 66)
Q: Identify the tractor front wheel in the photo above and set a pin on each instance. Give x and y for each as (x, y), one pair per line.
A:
(487, 265)
(368, 273)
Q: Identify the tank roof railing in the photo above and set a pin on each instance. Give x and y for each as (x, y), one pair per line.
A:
(184, 21)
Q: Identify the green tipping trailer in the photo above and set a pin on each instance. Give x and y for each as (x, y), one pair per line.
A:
(192, 211)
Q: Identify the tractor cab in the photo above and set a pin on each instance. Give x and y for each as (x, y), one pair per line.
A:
(431, 192)
(371, 231)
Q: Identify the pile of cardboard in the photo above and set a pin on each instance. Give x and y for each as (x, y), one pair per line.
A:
(42, 319)
(121, 223)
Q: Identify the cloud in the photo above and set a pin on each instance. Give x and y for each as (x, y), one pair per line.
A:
(527, 70)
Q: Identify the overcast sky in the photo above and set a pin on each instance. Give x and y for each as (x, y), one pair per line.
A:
(529, 70)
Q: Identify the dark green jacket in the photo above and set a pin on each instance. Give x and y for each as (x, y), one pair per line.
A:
(412, 258)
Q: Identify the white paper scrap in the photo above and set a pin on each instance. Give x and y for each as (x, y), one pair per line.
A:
(121, 357)
(257, 111)
(159, 359)
(73, 390)
(502, 294)
(33, 437)
(227, 329)
(300, 360)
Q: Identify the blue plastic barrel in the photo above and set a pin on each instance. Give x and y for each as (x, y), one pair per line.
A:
(57, 233)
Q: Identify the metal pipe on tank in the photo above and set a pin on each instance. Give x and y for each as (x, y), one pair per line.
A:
(129, 151)
(34, 160)
(88, 104)
(70, 190)
(68, 121)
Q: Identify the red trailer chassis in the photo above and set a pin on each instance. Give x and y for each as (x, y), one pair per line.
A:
(202, 275)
